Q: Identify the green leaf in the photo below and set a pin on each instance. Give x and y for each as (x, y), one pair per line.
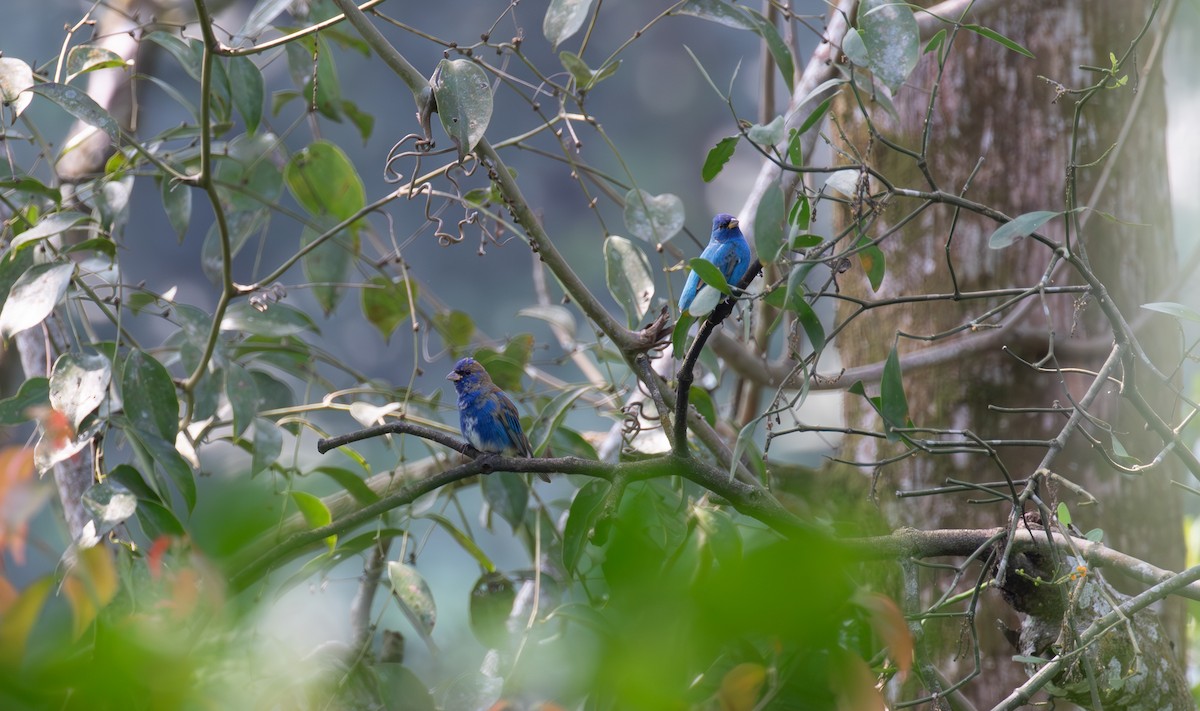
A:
(109, 503)
(351, 482)
(26, 184)
(464, 102)
(679, 334)
(34, 296)
(1020, 226)
(364, 122)
(581, 517)
(808, 320)
(553, 314)
(49, 225)
(16, 78)
(15, 410)
(324, 181)
(466, 542)
(507, 368)
(1173, 309)
(277, 320)
(316, 513)
(817, 114)
(654, 218)
(892, 39)
(246, 83)
(768, 134)
(149, 396)
(627, 271)
(491, 604)
(775, 45)
(553, 414)
(327, 266)
(132, 480)
(85, 58)
(935, 42)
(387, 303)
(717, 11)
(585, 77)
(507, 495)
(893, 403)
(456, 328)
(242, 393)
(178, 48)
(872, 260)
(709, 274)
(717, 157)
(248, 176)
(1095, 535)
(413, 595)
(795, 149)
(268, 444)
(704, 404)
(177, 201)
(327, 97)
(999, 38)
(564, 18)
(768, 224)
(854, 48)
(1064, 514)
(77, 103)
(163, 454)
(78, 384)
(158, 521)
(745, 444)
(720, 534)
(261, 17)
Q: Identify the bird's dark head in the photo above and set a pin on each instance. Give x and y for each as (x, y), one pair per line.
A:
(467, 372)
(725, 227)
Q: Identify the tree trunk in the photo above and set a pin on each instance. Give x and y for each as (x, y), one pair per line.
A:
(994, 104)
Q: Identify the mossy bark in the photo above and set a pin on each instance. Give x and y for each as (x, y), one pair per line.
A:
(994, 104)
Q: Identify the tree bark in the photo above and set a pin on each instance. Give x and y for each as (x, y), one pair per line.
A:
(994, 105)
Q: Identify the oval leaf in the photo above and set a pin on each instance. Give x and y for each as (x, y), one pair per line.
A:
(768, 224)
(78, 384)
(34, 296)
(324, 181)
(77, 103)
(717, 157)
(564, 18)
(709, 274)
(630, 281)
(316, 514)
(1020, 226)
(387, 303)
(16, 78)
(655, 218)
(892, 38)
(464, 102)
(893, 403)
(149, 396)
(412, 592)
(1174, 309)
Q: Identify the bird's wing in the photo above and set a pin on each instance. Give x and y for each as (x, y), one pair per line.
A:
(727, 260)
(511, 421)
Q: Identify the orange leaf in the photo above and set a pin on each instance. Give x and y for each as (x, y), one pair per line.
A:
(89, 586)
(853, 683)
(740, 687)
(889, 623)
(8, 595)
(19, 618)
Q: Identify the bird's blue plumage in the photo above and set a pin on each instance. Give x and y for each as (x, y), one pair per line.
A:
(728, 250)
(487, 418)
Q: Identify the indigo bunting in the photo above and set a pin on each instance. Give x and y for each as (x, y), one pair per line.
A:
(487, 418)
(727, 249)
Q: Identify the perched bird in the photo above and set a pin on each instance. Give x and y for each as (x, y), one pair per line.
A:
(727, 249)
(487, 418)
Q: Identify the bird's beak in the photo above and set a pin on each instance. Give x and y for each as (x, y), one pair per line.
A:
(733, 223)
(453, 376)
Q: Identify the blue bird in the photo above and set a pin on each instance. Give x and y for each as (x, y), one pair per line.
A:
(727, 249)
(487, 418)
